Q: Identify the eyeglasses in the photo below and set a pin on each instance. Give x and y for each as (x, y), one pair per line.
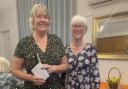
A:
(80, 27)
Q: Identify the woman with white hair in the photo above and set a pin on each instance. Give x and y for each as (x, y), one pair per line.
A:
(83, 72)
(7, 80)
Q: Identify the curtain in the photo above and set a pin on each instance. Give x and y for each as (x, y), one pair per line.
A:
(60, 12)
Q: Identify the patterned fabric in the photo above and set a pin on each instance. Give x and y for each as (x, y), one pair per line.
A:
(8, 81)
(83, 70)
(28, 49)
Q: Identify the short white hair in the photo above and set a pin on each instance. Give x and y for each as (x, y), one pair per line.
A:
(78, 19)
(4, 65)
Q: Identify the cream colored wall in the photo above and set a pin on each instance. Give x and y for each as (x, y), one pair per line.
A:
(9, 22)
(104, 64)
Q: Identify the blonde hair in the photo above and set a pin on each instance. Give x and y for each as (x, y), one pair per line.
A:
(4, 65)
(78, 19)
(34, 9)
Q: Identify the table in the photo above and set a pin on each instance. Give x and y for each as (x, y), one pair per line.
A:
(103, 85)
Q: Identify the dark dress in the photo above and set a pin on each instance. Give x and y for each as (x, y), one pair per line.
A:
(28, 49)
(83, 70)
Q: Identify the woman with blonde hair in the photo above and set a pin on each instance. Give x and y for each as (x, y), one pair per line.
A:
(40, 47)
(7, 80)
(4, 65)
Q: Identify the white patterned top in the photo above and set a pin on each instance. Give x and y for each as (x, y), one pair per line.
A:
(8, 81)
(83, 70)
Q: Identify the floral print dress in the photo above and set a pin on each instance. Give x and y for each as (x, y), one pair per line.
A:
(8, 81)
(28, 50)
(83, 70)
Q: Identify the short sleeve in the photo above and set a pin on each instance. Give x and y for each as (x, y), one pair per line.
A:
(19, 51)
(61, 47)
(57, 45)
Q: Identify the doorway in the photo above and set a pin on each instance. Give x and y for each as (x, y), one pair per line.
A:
(5, 44)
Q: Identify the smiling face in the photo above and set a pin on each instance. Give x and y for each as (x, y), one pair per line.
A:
(78, 31)
(40, 20)
(78, 27)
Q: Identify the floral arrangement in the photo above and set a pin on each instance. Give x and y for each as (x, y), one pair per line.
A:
(113, 82)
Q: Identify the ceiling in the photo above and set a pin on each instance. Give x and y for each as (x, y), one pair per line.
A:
(7, 4)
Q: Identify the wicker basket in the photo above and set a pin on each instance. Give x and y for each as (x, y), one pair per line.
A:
(113, 82)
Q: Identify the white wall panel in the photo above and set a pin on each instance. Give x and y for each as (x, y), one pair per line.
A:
(105, 65)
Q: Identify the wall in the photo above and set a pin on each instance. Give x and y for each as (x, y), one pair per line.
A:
(104, 65)
(8, 19)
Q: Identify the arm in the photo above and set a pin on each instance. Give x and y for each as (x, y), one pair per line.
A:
(63, 66)
(17, 67)
(94, 70)
(17, 70)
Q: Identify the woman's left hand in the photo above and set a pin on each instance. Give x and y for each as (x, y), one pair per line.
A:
(49, 68)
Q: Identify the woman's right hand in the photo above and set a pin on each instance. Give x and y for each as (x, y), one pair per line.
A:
(37, 81)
